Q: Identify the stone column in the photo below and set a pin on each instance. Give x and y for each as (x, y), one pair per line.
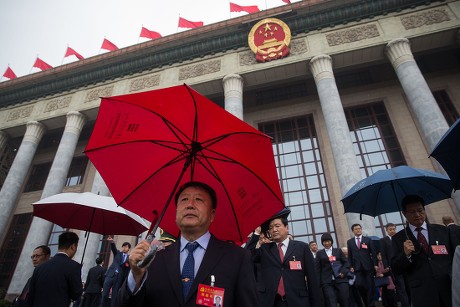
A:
(92, 247)
(18, 171)
(345, 161)
(233, 92)
(430, 120)
(40, 229)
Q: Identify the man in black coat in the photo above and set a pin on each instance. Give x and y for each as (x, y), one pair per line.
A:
(93, 285)
(332, 267)
(171, 280)
(423, 253)
(386, 249)
(57, 281)
(362, 258)
(295, 271)
(40, 255)
(453, 229)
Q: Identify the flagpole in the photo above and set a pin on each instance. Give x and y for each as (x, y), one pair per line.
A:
(266, 5)
(177, 31)
(139, 37)
(62, 62)
(33, 65)
(230, 13)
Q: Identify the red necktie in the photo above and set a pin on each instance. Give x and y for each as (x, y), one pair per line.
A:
(358, 242)
(281, 291)
(422, 240)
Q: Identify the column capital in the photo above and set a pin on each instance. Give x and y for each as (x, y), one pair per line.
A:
(75, 122)
(34, 132)
(398, 52)
(233, 82)
(321, 67)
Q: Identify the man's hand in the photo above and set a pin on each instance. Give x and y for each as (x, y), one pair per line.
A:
(409, 247)
(137, 254)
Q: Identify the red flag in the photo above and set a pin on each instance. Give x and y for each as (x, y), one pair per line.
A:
(287, 1)
(184, 23)
(40, 64)
(149, 34)
(108, 45)
(70, 52)
(248, 9)
(9, 73)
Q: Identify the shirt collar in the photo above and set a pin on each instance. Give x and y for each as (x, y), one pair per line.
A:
(412, 227)
(285, 242)
(203, 241)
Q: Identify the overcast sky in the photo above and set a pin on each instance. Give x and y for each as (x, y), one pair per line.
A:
(44, 28)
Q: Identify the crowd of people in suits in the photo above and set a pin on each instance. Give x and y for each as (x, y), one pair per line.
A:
(272, 270)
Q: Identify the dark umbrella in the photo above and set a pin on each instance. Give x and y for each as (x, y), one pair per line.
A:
(146, 145)
(447, 153)
(383, 191)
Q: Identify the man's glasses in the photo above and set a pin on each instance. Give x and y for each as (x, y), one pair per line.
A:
(36, 256)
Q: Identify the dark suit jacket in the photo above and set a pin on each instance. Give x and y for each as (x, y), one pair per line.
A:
(324, 266)
(362, 259)
(427, 274)
(230, 264)
(95, 279)
(454, 235)
(117, 263)
(386, 249)
(55, 283)
(301, 286)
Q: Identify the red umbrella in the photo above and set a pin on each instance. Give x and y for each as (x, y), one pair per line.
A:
(147, 144)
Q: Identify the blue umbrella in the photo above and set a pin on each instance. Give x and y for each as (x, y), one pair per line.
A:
(383, 191)
(447, 153)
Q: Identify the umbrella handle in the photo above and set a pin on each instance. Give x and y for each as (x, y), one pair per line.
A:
(155, 247)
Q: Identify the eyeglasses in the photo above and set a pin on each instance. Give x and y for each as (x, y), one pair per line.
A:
(36, 256)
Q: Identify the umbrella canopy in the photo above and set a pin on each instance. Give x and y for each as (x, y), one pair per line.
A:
(145, 145)
(90, 212)
(447, 153)
(383, 191)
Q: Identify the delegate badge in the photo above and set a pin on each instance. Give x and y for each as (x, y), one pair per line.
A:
(439, 249)
(331, 258)
(210, 296)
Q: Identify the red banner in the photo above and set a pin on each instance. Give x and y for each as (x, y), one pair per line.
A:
(184, 23)
(9, 73)
(149, 34)
(108, 45)
(70, 52)
(40, 64)
(248, 9)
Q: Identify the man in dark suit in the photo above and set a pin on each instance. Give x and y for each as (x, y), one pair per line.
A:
(423, 252)
(116, 273)
(386, 249)
(453, 229)
(332, 267)
(57, 281)
(287, 276)
(362, 258)
(40, 255)
(173, 277)
(93, 285)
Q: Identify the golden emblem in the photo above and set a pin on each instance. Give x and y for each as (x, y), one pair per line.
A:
(269, 39)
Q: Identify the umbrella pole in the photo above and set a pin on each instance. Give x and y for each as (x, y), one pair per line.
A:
(87, 236)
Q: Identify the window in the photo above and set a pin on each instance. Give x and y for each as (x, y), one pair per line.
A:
(446, 106)
(300, 171)
(376, 148)
(76, 171)
(53, 241)
(37, 178)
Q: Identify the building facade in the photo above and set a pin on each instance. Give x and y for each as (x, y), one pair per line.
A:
(366, 85)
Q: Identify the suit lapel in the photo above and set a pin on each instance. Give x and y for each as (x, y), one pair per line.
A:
(173, 266)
